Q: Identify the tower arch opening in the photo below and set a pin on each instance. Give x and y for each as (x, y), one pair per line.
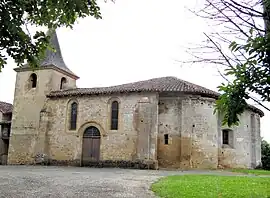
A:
(33, 80)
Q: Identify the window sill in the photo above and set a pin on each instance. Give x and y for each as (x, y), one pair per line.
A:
(226, 146)
(71, 132)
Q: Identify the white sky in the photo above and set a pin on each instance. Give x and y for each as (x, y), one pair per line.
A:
(135, 40)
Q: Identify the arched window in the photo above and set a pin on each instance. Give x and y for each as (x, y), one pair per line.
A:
(33, 80)
(73, 116)
(63, 82)
(91, 132)
(114, 115)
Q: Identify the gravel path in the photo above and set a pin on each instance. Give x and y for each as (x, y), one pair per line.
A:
(72, 182)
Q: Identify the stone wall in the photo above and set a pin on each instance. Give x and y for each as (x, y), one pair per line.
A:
(5, 117)
(3, 151)
(135, 125)
(195, 136)
(170, 112)
(244, 152)
(192, 130)
(28, 102)
(199, 141)
(4, 141)
(258, 140)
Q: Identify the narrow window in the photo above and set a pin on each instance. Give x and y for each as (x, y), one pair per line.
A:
(63, 82)
(73, 116)
(225, 137)
(33, 80)
(114, 115)
(166, 139)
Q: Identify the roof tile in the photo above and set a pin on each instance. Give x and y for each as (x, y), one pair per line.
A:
(5, 107)
(163, 84)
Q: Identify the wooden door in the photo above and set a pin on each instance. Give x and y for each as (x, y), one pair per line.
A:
(91, 145)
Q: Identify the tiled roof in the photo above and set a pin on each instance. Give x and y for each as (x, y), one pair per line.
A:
(160, 85)
(163, 84)
(5, 107)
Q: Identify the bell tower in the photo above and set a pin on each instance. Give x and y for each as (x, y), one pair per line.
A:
(31, 89)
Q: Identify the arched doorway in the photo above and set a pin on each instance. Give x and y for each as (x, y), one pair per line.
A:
(91, 145)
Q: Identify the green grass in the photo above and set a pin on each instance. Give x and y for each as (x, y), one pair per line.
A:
(254, 172)
(211, 186)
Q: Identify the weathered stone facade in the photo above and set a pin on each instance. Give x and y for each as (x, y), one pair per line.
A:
(5, 122)
(164, 122)
(195, 136)
(126, 143)
(245, 151)
(194, 132)
(28, 105)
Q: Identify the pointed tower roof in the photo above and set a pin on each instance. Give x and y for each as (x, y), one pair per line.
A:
(54, 58)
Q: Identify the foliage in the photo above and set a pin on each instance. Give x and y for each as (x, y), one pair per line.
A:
(239, 46)
(231, 103)
(265, 155)
(15, 39)
(211, 186)
(253, 75)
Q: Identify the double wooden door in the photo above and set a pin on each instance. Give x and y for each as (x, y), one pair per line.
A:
(91, 145)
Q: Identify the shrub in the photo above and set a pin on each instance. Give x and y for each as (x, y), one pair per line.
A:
(265, 155)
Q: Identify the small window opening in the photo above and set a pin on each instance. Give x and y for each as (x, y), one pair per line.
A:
(225, 137)
(63, 82)
(166, 139)
(114, 115)
(33, 80)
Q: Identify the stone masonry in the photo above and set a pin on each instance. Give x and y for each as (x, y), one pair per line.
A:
(162, 122)
(5, 122)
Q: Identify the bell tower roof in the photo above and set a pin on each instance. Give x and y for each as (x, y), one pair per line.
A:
(53, 58)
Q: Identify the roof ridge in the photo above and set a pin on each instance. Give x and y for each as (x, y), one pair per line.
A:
(3, 102)
(160, 85)
(122, 84)
(161, 79)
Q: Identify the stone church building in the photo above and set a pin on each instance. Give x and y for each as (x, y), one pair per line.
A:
(161, 122)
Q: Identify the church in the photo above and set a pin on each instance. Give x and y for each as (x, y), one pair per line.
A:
(163, 122)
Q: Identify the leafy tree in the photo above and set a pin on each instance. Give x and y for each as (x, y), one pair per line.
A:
(265, 155)
(239, 46)
(16, 15)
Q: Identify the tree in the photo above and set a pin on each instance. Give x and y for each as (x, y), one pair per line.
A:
(15, 39)
(265, 146)
(240, 49)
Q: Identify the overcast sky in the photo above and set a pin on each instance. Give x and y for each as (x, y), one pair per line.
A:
(135, 40)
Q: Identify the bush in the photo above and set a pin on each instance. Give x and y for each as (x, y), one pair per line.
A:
(265, 155)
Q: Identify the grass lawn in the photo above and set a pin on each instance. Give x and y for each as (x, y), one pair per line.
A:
(254, 172)
(206, 186)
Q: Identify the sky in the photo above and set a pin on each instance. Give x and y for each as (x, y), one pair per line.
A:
(135, 40)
